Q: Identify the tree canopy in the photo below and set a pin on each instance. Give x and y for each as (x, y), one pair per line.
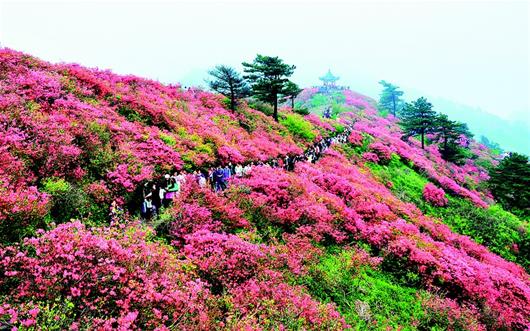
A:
(229, 83)
(510, 183)
(268, 77)
(418, 118)
(390, 97)
(449, 134)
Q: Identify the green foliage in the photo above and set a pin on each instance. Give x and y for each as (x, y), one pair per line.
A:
(99, 161)
(339, 128)
(319, 100)
(407, 185)
(102, 131)
(168, 140)
(368, 298)
(58, 315)
(448, 132)
(390, 98)
(510, 184)
(228, 82)
(337, 109)
(261, 106)
(338, 97)
(418, 118)
(268, 78)
(56, 186)
(298, 126)
(290, 91)
(493, 227)
(383, 112)
(301, 110)
(131, 114)
(71, 202)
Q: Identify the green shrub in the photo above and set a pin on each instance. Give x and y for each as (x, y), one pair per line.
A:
(68, 201)
(101, 130)
(337, 108)
(298, 126)
(261, 106)
(301, 110)
(167, 139)
(319, 100)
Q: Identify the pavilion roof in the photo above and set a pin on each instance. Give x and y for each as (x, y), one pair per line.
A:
(329, 77)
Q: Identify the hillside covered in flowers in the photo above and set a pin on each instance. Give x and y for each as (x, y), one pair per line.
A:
(377, 234)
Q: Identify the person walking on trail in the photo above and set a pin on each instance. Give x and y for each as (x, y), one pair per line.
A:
(211, 179)
(247, 169)
(227, 173)
(147, 203)
(219, 176)
(155, 197)
(172, 190)
(238, 170)
(201, 180)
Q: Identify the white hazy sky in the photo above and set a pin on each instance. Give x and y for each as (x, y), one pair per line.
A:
(472, 52)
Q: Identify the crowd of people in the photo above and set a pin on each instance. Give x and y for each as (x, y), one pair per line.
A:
(159, 193)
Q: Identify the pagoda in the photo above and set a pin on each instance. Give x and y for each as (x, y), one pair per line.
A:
(329, 80)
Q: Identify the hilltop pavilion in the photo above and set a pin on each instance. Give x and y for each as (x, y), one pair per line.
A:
(329, 79)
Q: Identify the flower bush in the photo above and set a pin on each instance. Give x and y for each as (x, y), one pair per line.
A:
(371, 157)
(434, 195)
(384, 153)
(356, 138)
(113, 275)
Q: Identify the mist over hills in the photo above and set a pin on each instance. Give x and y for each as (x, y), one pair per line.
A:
(512, 135)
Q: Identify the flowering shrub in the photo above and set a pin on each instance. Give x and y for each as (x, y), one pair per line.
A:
(226, 260)
(383, 152)
(356, 138)
(197, 208)
(434, 195)
(113, 275)
(298, 126)
(371, 157)
(90, 126)
(324, 126)
(265, 303)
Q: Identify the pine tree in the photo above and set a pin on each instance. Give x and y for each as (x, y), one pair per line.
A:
(418, 118)
(268, 77)
(290, 91)
(510, 184)
(390, 97)
(229, 83)
(448, 134)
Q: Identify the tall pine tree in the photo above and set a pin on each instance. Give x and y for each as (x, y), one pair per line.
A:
(510, 184)
(229, 83)
(418, 118)
(268, 77)
(390, 97)
(448, 134)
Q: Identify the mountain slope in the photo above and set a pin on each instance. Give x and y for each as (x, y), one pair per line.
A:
(355, 240)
